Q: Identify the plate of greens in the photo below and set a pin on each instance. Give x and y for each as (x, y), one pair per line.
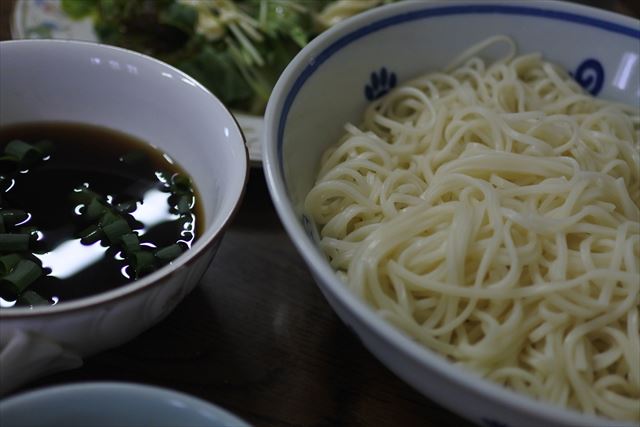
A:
(236, 48)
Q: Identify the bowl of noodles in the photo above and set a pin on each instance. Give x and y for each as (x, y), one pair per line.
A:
(463, 181)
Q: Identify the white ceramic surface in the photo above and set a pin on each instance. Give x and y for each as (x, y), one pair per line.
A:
(109, 404)
(45, 19)
(54, 80)
(328, 84)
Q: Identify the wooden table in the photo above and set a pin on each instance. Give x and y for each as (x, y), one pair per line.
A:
(258, 338)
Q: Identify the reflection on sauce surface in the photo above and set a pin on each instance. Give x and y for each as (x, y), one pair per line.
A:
(122, 171)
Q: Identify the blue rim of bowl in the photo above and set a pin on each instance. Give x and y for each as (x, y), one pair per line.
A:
(432, 12)
(133, 389)
(277, 113)
(158, 277)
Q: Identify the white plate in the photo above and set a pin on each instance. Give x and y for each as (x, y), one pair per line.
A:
(102, 404)
(37, 19)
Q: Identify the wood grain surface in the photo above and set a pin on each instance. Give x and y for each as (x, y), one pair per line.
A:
(258, 338)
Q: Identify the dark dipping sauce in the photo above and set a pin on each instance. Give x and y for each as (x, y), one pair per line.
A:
(129, 180)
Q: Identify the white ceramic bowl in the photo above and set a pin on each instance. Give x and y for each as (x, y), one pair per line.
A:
(52, 80)
(111, 404)
(325, 86)
(46, 19)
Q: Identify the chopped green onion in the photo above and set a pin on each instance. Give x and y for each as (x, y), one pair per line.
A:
(7, 262)
(91, 234)
(95, 209)
(127, 207)
(169, 253)
(23, 274)
(141, 262)
(130, 243)
(14, 242)
(181, 183)
(184, 204)
(108, 217)
(116, 229)
(32, 298)
(13, 216)
(25, 153)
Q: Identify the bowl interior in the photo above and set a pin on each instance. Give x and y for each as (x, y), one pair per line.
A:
(332, 80)
(330, 83)
(47, 80)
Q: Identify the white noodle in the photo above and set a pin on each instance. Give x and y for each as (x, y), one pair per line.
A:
(492, 214)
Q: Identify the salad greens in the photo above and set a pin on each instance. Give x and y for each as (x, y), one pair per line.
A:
(236, 48)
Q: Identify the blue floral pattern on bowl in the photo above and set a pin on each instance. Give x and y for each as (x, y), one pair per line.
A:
(590, 75)
(380, 83)
(309, 228)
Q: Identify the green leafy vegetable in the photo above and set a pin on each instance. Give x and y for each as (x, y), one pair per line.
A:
(236, 48)
(78, 8)
(180, 16)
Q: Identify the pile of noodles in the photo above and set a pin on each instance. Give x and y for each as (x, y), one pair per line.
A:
(491, 212)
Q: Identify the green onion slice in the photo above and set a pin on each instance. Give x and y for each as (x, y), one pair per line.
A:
(24, 152)
(91, 234)
(116, 229)
(142, 262)
(7, 262)
(95, 209)
(127, 207)
(184, 204)
(32, 298)
(14, 242)
(109, 217)
(23, 274)
(181, 183)
(130, 243)
(169, 253)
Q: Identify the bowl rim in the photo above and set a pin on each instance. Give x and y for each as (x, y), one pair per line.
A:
(283, 95)
(209, 237)
(105, 389)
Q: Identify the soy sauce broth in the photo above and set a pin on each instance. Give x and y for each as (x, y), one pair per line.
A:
(120, 169)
